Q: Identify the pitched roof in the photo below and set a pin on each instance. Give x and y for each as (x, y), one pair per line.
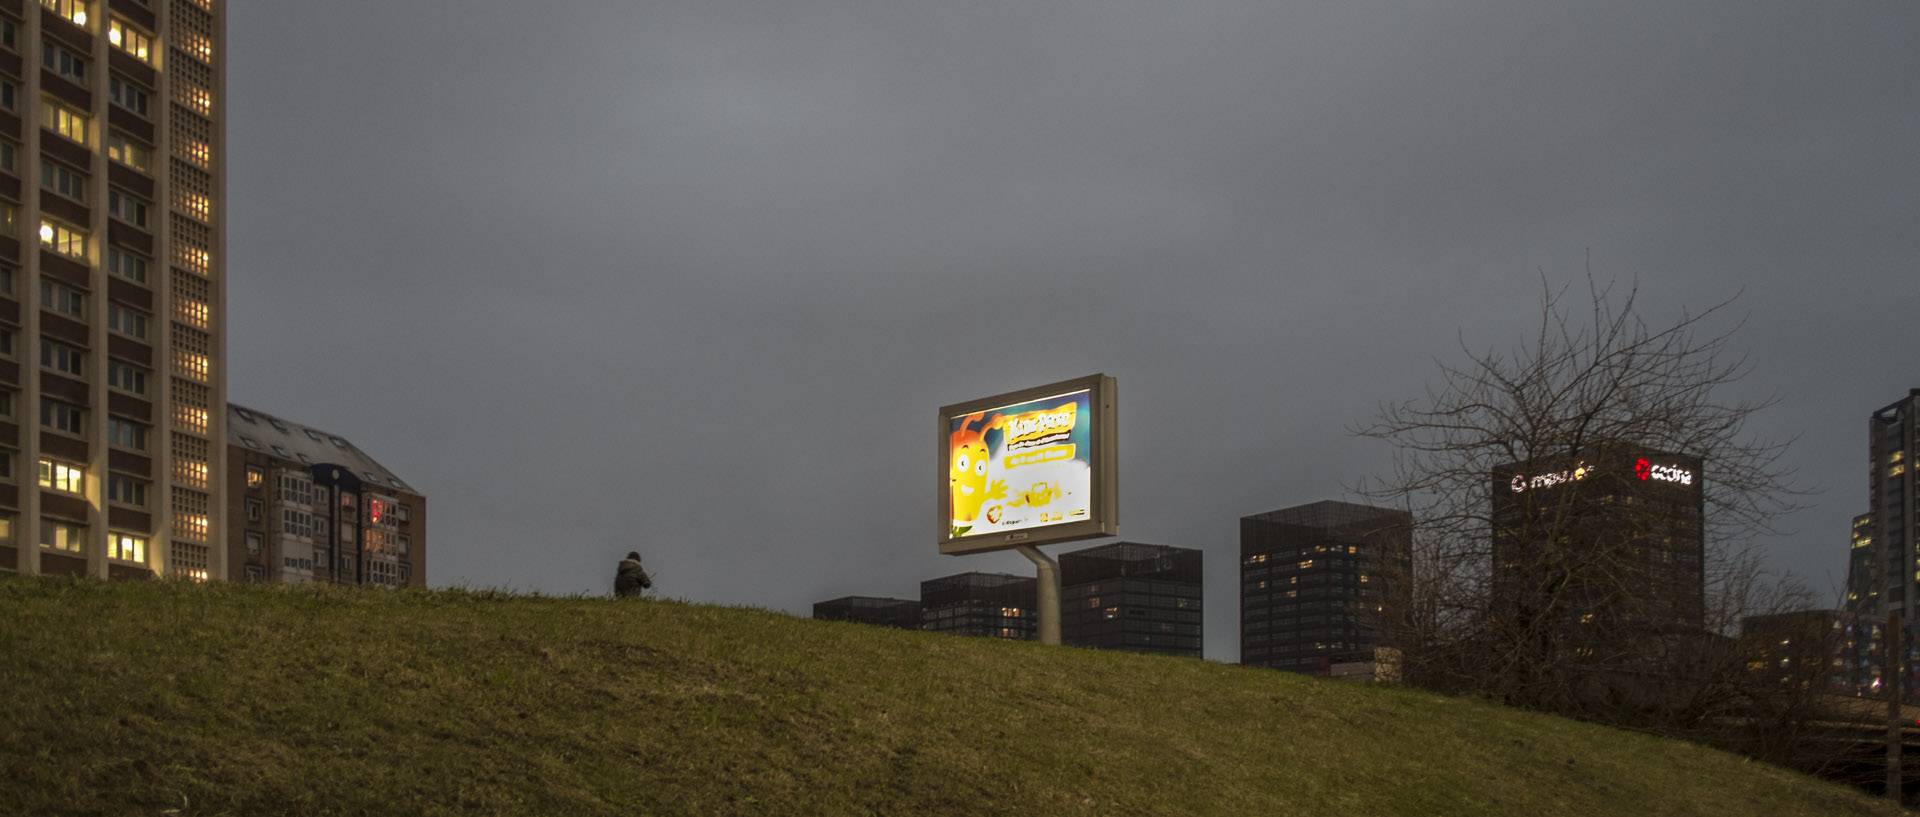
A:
(289, 440)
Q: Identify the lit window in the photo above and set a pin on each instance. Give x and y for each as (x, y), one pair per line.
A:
(62, 535)
(65, 240)
(256, 477)
(126, 321)
(191, 364)
(73, 10)
(62, 417)
(63, 62)
(128, 152)
(63, 180)
(127, 95)
(126, 490)
(126, 208)
(126, 547)
(193, 150)
(65, 121)
(198, 45)
(126, 264)
(63, 477)
(130, 378)
(126, 434)
(130, 39)
(63, 358)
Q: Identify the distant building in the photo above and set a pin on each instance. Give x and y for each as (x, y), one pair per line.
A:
(1127, 596)
(308, 506)
(1318, 583)
(1824, 650)
(1863, 593)
(1890, 531)
(994, 605)
(901, 613)
(1609, 540)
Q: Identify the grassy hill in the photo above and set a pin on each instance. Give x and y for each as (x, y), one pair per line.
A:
(161, 698)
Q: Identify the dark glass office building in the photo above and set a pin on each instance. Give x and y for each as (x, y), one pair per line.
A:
(994, 605)
(899, 613)
(1611, 539)
(1127, 596)
(1319, 586)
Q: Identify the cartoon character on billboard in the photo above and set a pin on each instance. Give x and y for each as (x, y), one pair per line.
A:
(967, 471)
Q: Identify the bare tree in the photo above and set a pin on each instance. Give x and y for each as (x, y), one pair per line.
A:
(1584, 508)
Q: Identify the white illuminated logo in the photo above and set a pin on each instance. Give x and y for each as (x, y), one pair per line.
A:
(1522, 482)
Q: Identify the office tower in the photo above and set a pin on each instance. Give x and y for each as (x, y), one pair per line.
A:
(899, 613)
(995, 605)
(309, 506)
(112, 286)
(1608, 543)
(1127, 596)
(1321, 586)
(1893, 560)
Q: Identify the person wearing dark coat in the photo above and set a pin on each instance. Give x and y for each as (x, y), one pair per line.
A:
(631, 578)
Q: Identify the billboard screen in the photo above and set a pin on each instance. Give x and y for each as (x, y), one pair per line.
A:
(1028, 467)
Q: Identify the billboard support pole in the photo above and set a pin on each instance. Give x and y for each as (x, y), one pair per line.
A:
(1047, 593)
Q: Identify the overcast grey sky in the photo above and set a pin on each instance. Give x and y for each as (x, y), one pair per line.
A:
(692, 278)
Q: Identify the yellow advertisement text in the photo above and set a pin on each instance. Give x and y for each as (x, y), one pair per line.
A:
(1037, 456)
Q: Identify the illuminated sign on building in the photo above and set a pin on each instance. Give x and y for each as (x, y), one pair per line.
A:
(1028, 467)
(1648, 470)
(1523, 482)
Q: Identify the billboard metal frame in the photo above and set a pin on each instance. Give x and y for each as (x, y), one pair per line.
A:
(1102, 460)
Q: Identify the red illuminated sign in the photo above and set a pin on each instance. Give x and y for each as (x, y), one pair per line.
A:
(1648, 470)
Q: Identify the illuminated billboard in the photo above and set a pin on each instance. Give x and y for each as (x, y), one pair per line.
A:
(1028, 467)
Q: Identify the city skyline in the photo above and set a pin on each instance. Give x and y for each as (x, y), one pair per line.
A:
(693, 280)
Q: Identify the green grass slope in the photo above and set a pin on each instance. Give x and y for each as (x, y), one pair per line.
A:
(169, 698)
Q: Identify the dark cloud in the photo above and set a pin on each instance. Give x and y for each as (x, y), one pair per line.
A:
(693, 277)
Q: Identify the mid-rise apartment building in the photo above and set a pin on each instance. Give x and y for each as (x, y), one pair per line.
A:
(310, 506)
(112, 287)
(1129, 596)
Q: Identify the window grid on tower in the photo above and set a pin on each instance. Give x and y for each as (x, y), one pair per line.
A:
(189, 514)
(189, 460)
(192, 300)
(192, 137)
(190, 242)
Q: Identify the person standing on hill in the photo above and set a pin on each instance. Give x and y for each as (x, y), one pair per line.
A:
(631, 579)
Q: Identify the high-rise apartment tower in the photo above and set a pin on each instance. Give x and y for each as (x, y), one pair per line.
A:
(1892, 558)
(112, 287)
